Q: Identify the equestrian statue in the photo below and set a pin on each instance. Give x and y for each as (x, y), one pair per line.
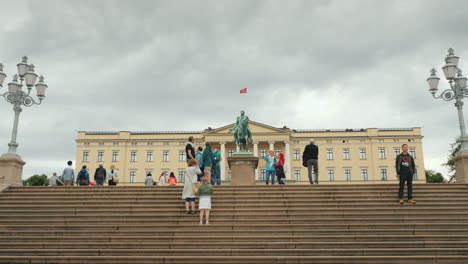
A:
(241, 130)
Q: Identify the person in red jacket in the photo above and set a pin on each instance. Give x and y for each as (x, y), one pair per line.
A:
(280, 169)
(172, 181)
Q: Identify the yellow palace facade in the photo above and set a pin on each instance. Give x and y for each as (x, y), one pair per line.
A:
(345, 155)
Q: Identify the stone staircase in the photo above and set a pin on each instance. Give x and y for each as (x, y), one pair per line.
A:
(250, 224)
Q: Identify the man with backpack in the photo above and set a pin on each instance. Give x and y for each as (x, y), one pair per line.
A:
(199, 157)
(216, 169)
(83, 177)
(100, 175)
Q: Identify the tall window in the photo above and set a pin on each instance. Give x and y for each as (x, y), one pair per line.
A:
(297, 155)
(329, 154)
(181, 176)
(383, 174)
(364, 175)
(132, 176)
(149, 156)
(297, 174)
(278, 151)
(86, 156)
(412, 152)
(133, 156)
(396, 152)
(346, 154)
(100, 156)
(165, 155)
(230, 152)
(331, 175)
(262, 153)
(362, 154)
(182, 155)
(347, 174)
(262, 174)
(415, 174)
(229, 174)
(115, 156)
(381, 153)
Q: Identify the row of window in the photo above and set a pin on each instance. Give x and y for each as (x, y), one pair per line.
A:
(347, 174)
(363, 153)
(133, 156)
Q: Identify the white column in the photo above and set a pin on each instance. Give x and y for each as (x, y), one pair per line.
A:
(287, 165)
(272, 145)
(223, 161)
(256, 155)
(237, 148)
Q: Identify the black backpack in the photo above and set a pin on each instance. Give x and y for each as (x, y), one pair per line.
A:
(82, 177)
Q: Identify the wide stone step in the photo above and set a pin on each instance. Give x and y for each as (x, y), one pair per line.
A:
(237, 245)
(237, 252)
(227, 205)
(90, 227)
(229, 220)
(232, 238)
(433, 259)
(238, 232)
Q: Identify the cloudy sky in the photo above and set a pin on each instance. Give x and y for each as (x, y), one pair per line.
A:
(179, 65)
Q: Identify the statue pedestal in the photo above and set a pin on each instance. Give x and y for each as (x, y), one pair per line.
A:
(461, 167)
(243, 165)
(11, 169)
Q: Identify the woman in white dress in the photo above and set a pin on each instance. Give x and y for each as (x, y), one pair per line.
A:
(190, 177)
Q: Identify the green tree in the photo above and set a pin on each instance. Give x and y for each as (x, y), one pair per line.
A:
(36, 180)
(454, 148)
(434, 177)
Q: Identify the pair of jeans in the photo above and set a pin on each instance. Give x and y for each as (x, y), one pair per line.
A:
(272, 174)
(408, 179)
(312, 163)
(216, 175)
(99, 182)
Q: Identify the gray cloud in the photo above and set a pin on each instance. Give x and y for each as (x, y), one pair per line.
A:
(307, 64)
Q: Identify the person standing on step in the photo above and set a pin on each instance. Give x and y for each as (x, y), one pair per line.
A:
(270, 167)
(280, 169)
(190, 177)
(113, 176)
(405, 168)
(190, 149)
(199, 157)
(205, 191)
(149, 179)
(55, 181)
(207, 161)
(100, 175)
(82, 179)
(216, 168)
(68, 174)
(310, 159)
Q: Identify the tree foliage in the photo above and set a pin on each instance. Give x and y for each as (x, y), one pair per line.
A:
(454, 148)
(36, 180)
(434, 177)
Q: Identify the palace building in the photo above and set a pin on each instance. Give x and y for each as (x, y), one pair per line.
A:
(345, 155)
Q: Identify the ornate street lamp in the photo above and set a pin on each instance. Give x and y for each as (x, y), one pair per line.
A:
(457, 91)
(19, 97)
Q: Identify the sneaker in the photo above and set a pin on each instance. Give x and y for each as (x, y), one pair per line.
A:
(401, 201)
(207, 223)
(411, 201)
(187, 212)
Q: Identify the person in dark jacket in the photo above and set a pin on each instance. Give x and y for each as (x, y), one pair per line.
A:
(405, 168)
(310, 159)
(207, 159)
(100, 175)
(83, 177)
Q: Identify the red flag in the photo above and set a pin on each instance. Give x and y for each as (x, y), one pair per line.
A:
(243, 91)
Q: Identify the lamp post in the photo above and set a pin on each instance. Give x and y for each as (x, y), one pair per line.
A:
(458, 90)
(19, 97)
